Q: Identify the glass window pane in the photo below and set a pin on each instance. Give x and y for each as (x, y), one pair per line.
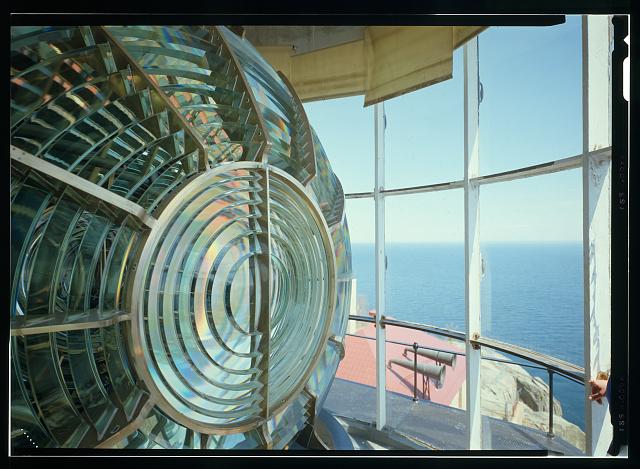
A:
(514, 402)
(353, 392)
(360, 217)
(531, 110)
(423, 139)
(532, 291)
(425, 258)
(531, 243)
(437, 415)
(346, 131)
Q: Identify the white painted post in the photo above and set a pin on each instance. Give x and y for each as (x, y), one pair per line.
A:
(596, 191)
(381, 357)
(472, 262)
(352, 326)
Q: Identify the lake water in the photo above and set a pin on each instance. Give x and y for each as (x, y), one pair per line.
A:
(532, 295)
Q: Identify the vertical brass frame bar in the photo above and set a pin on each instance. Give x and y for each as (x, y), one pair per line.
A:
(264, 268)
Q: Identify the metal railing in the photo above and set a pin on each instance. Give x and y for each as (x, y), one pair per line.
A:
(542, 362)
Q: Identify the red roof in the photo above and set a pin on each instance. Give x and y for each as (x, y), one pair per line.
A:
(359, 363)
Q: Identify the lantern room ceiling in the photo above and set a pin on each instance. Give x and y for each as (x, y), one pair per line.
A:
(379, 62)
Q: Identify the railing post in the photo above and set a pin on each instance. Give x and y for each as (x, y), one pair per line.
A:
(415, 372)
(550, 432)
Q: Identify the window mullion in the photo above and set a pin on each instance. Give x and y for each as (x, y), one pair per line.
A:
(472, 244)
(379, 123)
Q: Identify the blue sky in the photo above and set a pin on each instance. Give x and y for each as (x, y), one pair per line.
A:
(531, 113)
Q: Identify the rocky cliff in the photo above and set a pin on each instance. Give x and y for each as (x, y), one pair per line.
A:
(510, 393)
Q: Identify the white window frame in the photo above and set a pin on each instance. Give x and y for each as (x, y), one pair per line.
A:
(595, 162)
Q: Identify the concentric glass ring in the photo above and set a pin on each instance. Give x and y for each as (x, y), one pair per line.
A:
(233, 298)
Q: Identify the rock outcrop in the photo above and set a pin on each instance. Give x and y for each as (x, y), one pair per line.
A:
(510, 393)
